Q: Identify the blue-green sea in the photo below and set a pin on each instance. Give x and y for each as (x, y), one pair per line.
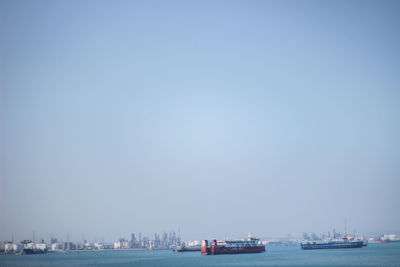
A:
(372, 255)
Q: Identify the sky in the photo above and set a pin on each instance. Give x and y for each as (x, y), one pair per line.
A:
(217, 118)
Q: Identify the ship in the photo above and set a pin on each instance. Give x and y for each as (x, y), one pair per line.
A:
(184, 248)
(332, 244)
(251, 245)
(33, 248)
(27, 251)
(389, 238)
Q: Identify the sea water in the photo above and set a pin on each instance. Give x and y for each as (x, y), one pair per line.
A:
(372, 255)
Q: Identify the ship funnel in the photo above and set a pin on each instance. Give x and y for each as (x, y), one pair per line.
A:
(205, 249)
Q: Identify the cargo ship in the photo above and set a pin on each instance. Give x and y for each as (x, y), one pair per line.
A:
(334, 243)
(251, 245)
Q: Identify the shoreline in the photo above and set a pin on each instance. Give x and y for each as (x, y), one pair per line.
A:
(88, 250)
(112, 249)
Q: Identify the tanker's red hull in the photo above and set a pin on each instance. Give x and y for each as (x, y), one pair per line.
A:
(215, 250)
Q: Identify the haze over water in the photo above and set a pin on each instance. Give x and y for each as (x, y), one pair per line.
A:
(217, 118)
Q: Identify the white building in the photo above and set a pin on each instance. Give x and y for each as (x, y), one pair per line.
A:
(126, 244)
(117, 245)
(10, 247)
(98, 246)
(55, 246)
(41, 246)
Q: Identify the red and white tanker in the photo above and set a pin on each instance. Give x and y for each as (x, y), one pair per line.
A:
(251, 245)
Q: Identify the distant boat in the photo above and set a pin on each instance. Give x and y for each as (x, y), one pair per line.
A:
(331, 244)
(27, 251)
(251, 245)
(184, 248)
(33, 248)
(383, 240)
(389, 238)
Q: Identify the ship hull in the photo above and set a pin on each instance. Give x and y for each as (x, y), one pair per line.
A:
(389, 241)
(186, 249)
(28, 251)
(226, 250)
(331, 246)
(232, 250)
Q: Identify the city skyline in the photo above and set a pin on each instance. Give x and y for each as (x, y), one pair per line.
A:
(218, 118)
(174, 238)
(66, 237)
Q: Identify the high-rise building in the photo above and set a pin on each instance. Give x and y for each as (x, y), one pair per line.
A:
(306, 236)
(133, 240)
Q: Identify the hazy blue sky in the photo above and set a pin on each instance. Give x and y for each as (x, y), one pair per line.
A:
(218, 117)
